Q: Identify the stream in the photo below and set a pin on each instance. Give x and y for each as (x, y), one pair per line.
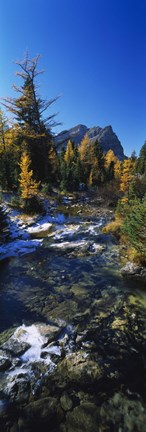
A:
(72, 330)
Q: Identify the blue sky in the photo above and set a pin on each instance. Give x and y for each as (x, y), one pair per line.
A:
(94, 56)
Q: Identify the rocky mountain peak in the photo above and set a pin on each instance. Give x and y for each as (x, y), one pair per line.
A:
(105, 136)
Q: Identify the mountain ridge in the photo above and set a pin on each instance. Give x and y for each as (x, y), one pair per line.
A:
(106, 137)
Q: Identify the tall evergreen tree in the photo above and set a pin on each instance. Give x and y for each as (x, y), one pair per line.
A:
(87, 157)
(6, 154)
(141, 162)
(113, 166)
(127, 176)
(28, 110)
(97, 173)
(69, 153)
(134, 226)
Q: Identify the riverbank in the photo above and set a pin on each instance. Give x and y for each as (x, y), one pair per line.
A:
(25, 233)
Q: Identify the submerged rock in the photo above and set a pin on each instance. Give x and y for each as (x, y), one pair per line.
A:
(65, 402)
(31, 353)
(4, 407)
(41, 411)
(18, 386)
(5, 361)
(121, 413)
(85, 418)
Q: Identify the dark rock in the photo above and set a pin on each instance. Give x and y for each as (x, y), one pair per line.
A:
(85, 418)
(79, 368)
(66, 402)
(18, 387)
(16, 347)
(5, 362)
(14, 428)
(4, 406)
(40, 412)
(120, 413)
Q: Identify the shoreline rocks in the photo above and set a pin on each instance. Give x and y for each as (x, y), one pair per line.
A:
(134, 271)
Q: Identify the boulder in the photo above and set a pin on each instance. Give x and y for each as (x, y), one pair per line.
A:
(123, 414)
(78, 368)
(84, 417)
(131, 270)
(66, 402)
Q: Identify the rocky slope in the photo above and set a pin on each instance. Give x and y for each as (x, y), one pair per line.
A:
(105, 136)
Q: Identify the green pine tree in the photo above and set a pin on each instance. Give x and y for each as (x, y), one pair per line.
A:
(134, 226)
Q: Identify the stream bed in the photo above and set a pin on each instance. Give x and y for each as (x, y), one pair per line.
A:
(72, 330)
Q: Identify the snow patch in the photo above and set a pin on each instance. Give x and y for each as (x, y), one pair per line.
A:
(69, 230)
(39, 228)
(70, 245)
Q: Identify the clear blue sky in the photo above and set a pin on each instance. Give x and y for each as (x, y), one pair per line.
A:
(94, 55)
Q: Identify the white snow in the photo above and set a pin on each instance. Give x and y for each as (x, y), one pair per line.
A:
(66, 230)
(75, 132)
(98, 247)
(39, 227)
(92, 228)
(69, 245)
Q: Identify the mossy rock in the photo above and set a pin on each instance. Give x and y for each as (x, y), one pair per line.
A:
(84, 418)
(78, 368)
(121, 413)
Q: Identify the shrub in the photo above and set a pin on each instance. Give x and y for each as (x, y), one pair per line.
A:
(110, 193)
(15, 201)
(46, 188)
(3, 224)
(33, 205)
(134, 227)
(113, 227)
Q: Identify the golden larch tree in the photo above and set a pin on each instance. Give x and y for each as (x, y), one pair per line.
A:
(127, 175)
(28, 186)
(86, 150)
(117, 169)
(110, 157)
(69, 152)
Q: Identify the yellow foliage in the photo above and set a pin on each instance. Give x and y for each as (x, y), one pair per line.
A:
(91, 178)
(117, 168)
(113, 227)
(110, 157)
(69, 152)
(124, 200)
(10, 140)
(85, 148)
(53, 160)
(28, 186)
(127, 175)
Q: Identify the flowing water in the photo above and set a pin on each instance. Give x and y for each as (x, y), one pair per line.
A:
(73, 332)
